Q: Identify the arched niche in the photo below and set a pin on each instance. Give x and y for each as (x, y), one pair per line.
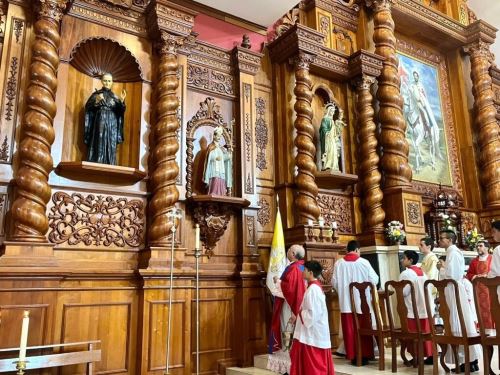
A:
(89, 59)
(199, 135)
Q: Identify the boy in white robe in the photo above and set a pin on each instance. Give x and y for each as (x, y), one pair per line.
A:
(311, 349)
(455, 269)
(353, 268)
(417, 277)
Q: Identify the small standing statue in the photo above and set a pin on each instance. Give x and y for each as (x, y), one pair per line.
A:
(330, 134)
(217, 173)
(104, 115)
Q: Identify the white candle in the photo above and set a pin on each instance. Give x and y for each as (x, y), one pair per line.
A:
(321, 221)
(334, 225)
(24, 336)
(310, 222)
(197, 237)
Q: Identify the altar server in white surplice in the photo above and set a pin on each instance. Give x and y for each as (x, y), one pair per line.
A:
(455, 268)
(311, 349)
(353, 268)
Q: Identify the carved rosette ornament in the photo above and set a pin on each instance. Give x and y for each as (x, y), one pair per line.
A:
(30, 222)
(369, 174)
(486, 122)
(397, 170)
(307, 190)
(164, 168)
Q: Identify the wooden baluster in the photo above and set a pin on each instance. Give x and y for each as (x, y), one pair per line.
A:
(307, 190)
(164, 168)
(397, 171)
(30, 222)
(369, 175)
(486, 122)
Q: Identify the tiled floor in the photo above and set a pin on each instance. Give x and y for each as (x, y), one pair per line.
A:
(344, 367)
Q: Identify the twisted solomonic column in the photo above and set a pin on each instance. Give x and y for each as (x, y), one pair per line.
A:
(486, 122)
(307, 190)
(30, 222)
(369, 174)
(164, 168)
(397, 171)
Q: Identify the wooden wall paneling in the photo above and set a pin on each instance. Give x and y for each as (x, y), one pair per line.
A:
(15, 67)
(183, 119)
(100, 309)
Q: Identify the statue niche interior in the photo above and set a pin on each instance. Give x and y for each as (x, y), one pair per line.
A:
(330, 137)
(104, 120)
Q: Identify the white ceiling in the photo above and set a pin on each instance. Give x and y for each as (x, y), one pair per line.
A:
(489, 11)
(261, 12)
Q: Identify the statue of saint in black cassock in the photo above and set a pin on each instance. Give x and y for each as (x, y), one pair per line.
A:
(104, 115)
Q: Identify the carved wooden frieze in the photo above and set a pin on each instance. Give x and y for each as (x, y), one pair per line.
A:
(261, 133)
(264, 212)
(10, 100)
(336, 208)
(297, 38)
(246, 61)
(413, 213)
(96, 220)
(109, 15)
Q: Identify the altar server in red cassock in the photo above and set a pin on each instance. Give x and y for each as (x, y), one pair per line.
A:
(353, 268)
(417, 277)
(479, 267)
(290, 292)
(311, 349)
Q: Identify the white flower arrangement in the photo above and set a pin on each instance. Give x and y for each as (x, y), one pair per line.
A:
(395, 232)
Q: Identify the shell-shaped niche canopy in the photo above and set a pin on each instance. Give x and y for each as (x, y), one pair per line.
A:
(96, 56)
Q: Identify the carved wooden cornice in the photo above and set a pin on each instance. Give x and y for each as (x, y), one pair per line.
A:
(331, 63)
(298, 38)
(109, 15)
(481, 31)
(246, 61)
(414, 14)
(342, 15)
(495, 74)
(210, 56)
(364, 63)
(166, 17)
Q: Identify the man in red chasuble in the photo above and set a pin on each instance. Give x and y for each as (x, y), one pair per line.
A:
(353, 268)
(291, 288)
(479, 267)
(311, 352)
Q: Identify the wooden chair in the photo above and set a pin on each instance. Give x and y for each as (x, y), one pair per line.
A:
(446, 337)
(403, 333)
(488, 341)
(56, 357)
(380, 332)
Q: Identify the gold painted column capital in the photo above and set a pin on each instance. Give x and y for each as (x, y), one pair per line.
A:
(380, 5)
(52, 10)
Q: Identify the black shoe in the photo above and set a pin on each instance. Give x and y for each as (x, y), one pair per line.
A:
(429, 360)
(473, 367)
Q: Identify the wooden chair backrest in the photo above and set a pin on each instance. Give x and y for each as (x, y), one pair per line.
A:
(57, 358)
(444, 308)
(366, 308)
(493, 286)
(401, 308)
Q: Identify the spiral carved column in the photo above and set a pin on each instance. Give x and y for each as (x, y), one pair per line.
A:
(486, 122)
(307, 190)
(30, 222)
(368, 157)
(164, 168)
(397, 171)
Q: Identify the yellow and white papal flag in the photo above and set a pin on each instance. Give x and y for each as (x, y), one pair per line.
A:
(277, 259)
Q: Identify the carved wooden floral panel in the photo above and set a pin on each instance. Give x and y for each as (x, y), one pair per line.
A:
(96, 220)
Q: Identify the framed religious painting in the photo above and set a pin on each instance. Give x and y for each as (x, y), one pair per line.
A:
(427, 111)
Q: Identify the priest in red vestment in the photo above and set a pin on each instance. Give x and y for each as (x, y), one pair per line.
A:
(479, 267)
(417, 277)
(353, 268)
(311, 349)
(291, 288)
